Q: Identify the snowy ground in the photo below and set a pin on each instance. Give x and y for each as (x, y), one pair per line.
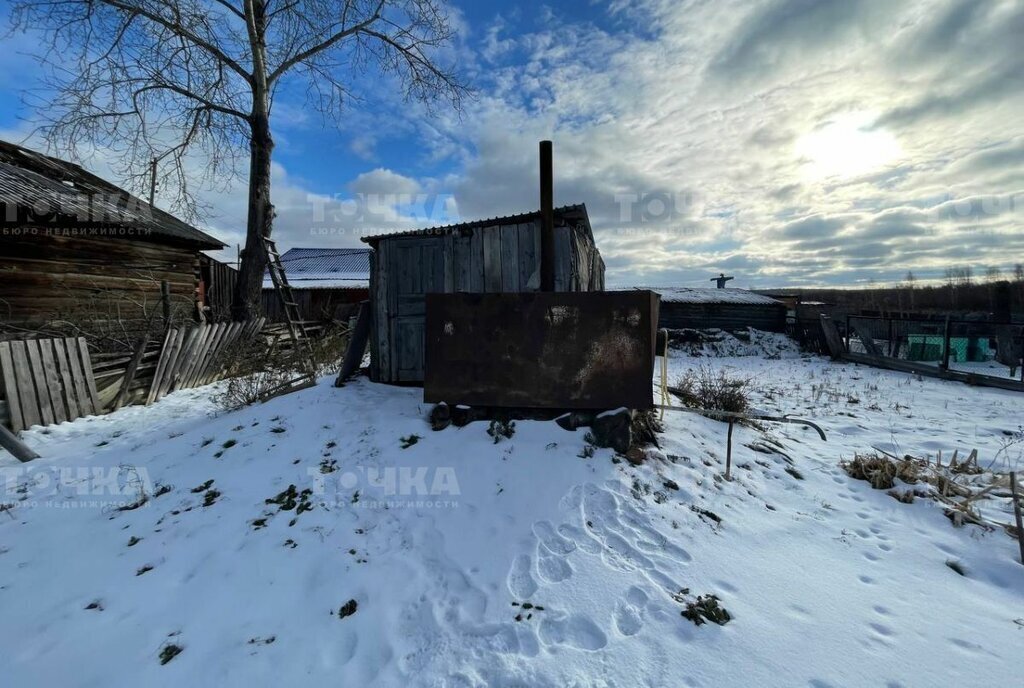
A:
(829, 582)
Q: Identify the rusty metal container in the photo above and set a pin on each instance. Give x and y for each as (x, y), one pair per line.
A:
(564, 350)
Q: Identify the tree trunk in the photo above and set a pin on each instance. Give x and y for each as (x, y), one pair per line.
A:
(247, 300)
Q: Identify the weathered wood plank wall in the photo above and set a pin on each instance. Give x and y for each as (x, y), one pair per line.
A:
(722, 316)
(92, 282)
(47, 381)
(218, 288)
(501, 258)
(316, 304)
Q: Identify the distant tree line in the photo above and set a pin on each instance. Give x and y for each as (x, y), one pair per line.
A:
(997, 294)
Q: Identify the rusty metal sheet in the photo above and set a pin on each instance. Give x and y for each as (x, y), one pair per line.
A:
(567, 350)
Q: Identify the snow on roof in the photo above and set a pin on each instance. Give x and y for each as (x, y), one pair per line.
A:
(323, 280)
(325, 268)
(692, 295)
(326, 260)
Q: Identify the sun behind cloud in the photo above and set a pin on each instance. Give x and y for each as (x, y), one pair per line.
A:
(846, 146)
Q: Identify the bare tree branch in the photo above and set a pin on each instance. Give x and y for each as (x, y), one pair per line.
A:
(182, 91)
(177, 28)
(326, 43)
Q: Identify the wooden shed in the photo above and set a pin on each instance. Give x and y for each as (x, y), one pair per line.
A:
(327, 283)
(83, 255)
(499, 255)
(723, 309)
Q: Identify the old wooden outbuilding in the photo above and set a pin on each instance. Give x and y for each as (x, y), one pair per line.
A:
(83, 255)
(723, 309)
(327, 283)
(488, 256)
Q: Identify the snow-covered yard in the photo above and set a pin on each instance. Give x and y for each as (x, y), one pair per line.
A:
(519, 562)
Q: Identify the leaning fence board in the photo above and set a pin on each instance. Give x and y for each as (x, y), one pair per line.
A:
(161, 365)
(172, 362)
(201, 355)
(836, 348)
(935, 371)
(202, 338)
(129, 373)
(53, 381)
(216, 370)
(211, 353)
(26, 388)
(213, 370)
(866, 338)
(35, 360)
(65, 376)
(85, 405)
(10, 387)
(90, 381)
(16, 447)
(173, 376)
(215, 355)
(211, 343)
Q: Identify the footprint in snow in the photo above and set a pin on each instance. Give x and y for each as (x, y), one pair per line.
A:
(576, 631)
(554, 542)
(552, 567)
(520, 580)
(580, 539)
(629, 611)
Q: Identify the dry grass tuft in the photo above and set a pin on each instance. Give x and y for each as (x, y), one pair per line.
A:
(703, 388)
(882, 471)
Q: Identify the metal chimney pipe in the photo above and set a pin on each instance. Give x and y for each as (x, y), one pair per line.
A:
(547, 219)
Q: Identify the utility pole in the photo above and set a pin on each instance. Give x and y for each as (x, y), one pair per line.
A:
(152, 181)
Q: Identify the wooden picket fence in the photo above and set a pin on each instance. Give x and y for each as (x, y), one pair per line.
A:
(191, 356)
(47, 381)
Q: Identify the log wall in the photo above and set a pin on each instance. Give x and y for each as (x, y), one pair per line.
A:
(95, 283)
(722, 316)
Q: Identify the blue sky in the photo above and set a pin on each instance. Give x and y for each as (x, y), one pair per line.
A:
(788, 142)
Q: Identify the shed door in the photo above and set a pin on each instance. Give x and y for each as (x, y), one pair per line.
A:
(417, 267)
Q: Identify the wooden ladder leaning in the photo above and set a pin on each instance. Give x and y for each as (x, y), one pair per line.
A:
(293, 319)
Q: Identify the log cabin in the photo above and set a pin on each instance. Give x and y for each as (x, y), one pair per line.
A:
(82, 256)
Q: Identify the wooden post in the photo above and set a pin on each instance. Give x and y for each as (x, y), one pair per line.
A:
(165, 300)
(945, 346)
(890, 338)
(356, 344)
(846, 333)
(129, 373)
(1016, 514)
(20, 451)
(728, 453)
(547, 218)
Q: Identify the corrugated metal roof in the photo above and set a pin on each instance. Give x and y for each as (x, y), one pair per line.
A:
(564, 214)
(326, 260)
(701, 295)
(35, 184)
(325, 268)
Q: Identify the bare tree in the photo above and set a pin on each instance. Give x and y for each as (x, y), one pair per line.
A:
(158, 81)
(910, 280)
